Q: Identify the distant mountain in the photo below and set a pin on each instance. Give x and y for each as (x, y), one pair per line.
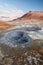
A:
(5, 18)
(32, 16)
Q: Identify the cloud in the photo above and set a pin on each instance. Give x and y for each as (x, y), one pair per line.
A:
(8, 10)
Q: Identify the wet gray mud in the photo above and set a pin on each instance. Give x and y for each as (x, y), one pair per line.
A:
(30, 28)
(18, 37)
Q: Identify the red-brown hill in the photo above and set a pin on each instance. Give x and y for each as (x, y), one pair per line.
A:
(32, 16)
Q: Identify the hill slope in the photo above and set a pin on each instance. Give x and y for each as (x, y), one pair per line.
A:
(32, 16)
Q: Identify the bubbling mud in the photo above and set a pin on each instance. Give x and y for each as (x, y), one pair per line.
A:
(18, 37)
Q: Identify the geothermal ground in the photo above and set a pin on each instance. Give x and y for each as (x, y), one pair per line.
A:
(22, 44)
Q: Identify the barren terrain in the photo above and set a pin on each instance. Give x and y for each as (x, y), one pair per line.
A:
(21, 40)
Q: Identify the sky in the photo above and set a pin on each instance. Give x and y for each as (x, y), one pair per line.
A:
(17, 8)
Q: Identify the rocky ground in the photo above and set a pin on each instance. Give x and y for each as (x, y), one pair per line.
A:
(24, 56)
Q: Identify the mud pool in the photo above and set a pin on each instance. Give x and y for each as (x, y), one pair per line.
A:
(21, 36)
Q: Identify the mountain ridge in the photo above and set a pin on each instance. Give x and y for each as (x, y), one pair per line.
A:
(32, 16)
